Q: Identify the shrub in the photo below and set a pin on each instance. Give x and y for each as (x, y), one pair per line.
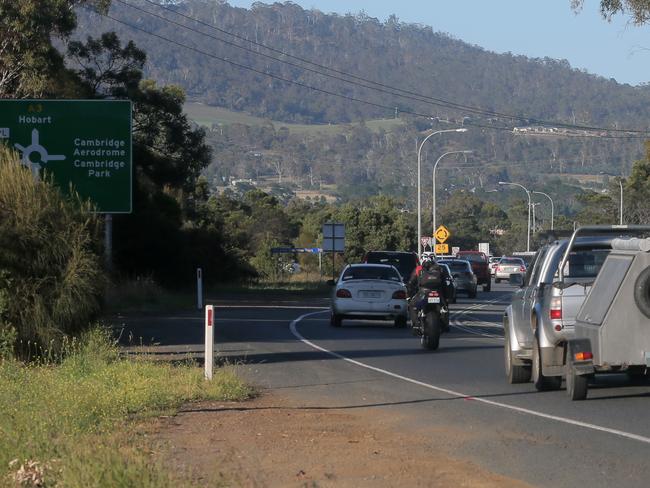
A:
(50, 274)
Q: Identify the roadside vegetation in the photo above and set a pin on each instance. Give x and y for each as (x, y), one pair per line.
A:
(75, 420)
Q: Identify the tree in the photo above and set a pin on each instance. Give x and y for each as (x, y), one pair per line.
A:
(30, 66)
(638, 9)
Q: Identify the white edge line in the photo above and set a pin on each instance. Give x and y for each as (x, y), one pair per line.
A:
(462, 396)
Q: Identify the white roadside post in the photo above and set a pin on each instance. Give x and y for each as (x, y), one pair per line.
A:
(199, 288)
(209, 341)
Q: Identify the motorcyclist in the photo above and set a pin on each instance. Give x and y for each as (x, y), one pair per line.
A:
(418, 291)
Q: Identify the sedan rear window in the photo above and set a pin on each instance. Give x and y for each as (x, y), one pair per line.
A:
(512, 261)
(370, 273)
(458, 266)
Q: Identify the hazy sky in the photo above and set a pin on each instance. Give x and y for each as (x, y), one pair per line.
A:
(534, 28)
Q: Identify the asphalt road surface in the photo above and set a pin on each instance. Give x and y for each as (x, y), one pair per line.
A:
(541, 438)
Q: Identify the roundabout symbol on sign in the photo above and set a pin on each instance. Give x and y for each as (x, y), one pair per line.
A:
(442, 234)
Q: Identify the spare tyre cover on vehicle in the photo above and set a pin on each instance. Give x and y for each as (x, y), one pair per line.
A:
(642, 292)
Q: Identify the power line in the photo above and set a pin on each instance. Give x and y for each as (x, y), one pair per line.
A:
(310, 87)
(382, 87)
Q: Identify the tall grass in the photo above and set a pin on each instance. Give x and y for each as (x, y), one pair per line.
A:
(75, 419)
(50, 276)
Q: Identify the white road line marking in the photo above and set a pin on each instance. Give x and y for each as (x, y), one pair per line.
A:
(463, 396)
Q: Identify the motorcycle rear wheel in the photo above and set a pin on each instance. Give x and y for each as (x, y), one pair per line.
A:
(431, 334)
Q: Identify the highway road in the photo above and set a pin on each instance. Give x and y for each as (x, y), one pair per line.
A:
(541, 438)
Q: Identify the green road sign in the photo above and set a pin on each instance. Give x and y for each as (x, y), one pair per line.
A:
(83, 143)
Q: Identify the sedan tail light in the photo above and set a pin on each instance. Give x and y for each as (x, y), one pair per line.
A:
(399, 295)
(498, 268)
(522, 269)
(343, 293)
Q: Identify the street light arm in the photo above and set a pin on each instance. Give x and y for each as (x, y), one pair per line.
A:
(419, 199)
(529, 208)
(433, 185)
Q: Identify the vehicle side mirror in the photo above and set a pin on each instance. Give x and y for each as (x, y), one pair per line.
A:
(516, 279)
(331, 282)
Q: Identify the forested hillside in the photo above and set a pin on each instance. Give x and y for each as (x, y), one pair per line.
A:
(221, 60)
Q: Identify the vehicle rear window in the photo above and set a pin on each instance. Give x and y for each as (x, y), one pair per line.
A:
(585, 263)
(405, 262)
(512, 261)
(457, 266)
(370, 273)
(475, 258)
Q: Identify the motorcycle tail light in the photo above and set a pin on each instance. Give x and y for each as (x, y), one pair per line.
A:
(399, 295)
(343, 293)
(434, 293)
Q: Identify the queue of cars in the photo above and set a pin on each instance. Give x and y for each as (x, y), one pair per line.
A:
(376, 288)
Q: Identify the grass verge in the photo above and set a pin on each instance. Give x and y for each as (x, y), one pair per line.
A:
(75, 423)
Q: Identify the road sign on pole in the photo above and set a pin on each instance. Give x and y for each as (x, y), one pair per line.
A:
(442, 248)
(83, 143)
(333, 237)
(426, 241)
(442, 234)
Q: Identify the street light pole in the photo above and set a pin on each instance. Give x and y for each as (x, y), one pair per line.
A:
(529, 202)
(552, 206)
(419, 182)
(620, 212)
(435, 166)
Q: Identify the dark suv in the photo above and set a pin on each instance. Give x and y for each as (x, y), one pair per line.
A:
(404, 261)
(480, 266)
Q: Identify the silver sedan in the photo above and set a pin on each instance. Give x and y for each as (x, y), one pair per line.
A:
(369, 291)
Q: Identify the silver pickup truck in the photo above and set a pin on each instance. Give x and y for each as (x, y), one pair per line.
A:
(541, 317)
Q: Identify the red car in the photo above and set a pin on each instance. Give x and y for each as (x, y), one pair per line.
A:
(480, 267)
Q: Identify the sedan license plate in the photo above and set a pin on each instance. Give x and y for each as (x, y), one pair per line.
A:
(434, 300)
(370, 294)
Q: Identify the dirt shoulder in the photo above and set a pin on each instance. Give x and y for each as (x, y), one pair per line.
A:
(269, 441)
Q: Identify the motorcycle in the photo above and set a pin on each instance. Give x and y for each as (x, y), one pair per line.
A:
(431, 318)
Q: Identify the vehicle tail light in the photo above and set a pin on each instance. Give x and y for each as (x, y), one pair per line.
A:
(556, 309)
(583, 356)
(522, 269)
(399, 295)
(498, 268)
(434, 293)
(343, 293)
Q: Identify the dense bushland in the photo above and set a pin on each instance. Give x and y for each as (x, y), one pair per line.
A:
(51, 278)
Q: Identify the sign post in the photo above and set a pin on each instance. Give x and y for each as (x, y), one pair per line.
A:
(209, 341)
(199, 288)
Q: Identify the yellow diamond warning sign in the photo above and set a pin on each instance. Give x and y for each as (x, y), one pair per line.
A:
(442, 234)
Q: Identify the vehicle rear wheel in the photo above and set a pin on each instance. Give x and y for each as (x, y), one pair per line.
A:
(336, 320)
(472, 293)
(515, 373)
(431, 334)
(400, 322)
(576, 385)
(488, 286)
(541, 382)
(497, 280)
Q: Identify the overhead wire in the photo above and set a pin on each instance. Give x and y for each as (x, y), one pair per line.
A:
(317, 89)
(384, 88)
